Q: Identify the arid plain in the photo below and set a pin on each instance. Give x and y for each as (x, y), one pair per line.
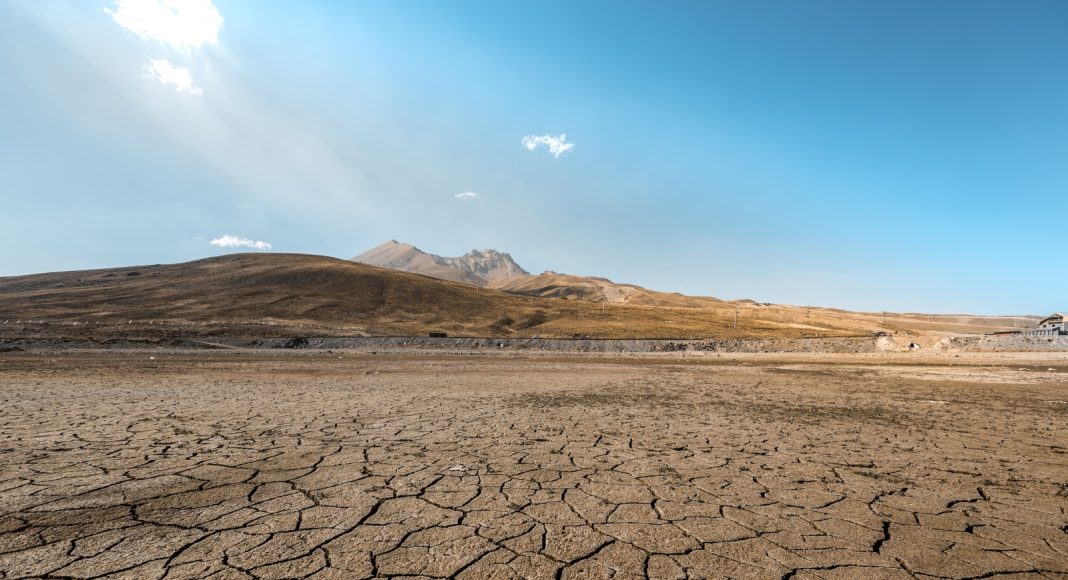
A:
(536, 290)
(346, 464)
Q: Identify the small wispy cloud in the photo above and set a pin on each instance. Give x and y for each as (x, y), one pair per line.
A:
(557, 145)
(181, 24)
(466, 195)
(231, 241)
(168, 73)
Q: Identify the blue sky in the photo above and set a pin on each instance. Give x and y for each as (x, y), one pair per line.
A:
(908, 156)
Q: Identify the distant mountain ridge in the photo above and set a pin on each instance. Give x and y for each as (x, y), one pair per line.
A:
(493, 269)
(489, 265)
(497, 270)
(297, 295)
(475, 267)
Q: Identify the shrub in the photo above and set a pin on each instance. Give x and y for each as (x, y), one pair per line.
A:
(533, 320)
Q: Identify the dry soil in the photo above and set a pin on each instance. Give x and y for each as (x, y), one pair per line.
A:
(340, 465)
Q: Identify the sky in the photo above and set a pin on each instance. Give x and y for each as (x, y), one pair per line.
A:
(877, 155)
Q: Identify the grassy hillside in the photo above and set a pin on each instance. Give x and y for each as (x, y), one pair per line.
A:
(294, 294)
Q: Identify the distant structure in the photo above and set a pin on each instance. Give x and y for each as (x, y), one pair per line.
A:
(1052, 325)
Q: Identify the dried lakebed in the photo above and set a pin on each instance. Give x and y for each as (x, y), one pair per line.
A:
(342, 465)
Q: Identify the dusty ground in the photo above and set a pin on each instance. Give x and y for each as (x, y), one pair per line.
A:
(356, 465)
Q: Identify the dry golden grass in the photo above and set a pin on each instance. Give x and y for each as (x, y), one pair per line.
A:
(305, 294)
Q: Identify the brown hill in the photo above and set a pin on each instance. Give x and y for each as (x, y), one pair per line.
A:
(569, 287)
(293, 294)
(509, 277)
(286, 290)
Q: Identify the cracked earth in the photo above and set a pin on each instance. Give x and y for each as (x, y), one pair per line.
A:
(329, 465)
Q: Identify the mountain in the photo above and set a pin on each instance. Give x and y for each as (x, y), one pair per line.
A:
(289, 295)
(489, 265)
(287, 290)
(474, 267)
(408, 258)
(493, 269)
(497, 270)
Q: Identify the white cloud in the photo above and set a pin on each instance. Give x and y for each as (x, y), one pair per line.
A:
(557, 145)
(230, 241)
(167, 73)
(181, 24)
(466, 195)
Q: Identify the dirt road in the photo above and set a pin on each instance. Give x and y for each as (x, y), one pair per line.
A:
(341, 465)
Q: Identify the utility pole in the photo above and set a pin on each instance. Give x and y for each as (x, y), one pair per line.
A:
(735, 320)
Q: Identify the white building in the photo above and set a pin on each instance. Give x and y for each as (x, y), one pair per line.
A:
(1052, 325)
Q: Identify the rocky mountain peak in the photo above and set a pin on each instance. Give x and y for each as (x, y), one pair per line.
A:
(487, 264)
(474, 267)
